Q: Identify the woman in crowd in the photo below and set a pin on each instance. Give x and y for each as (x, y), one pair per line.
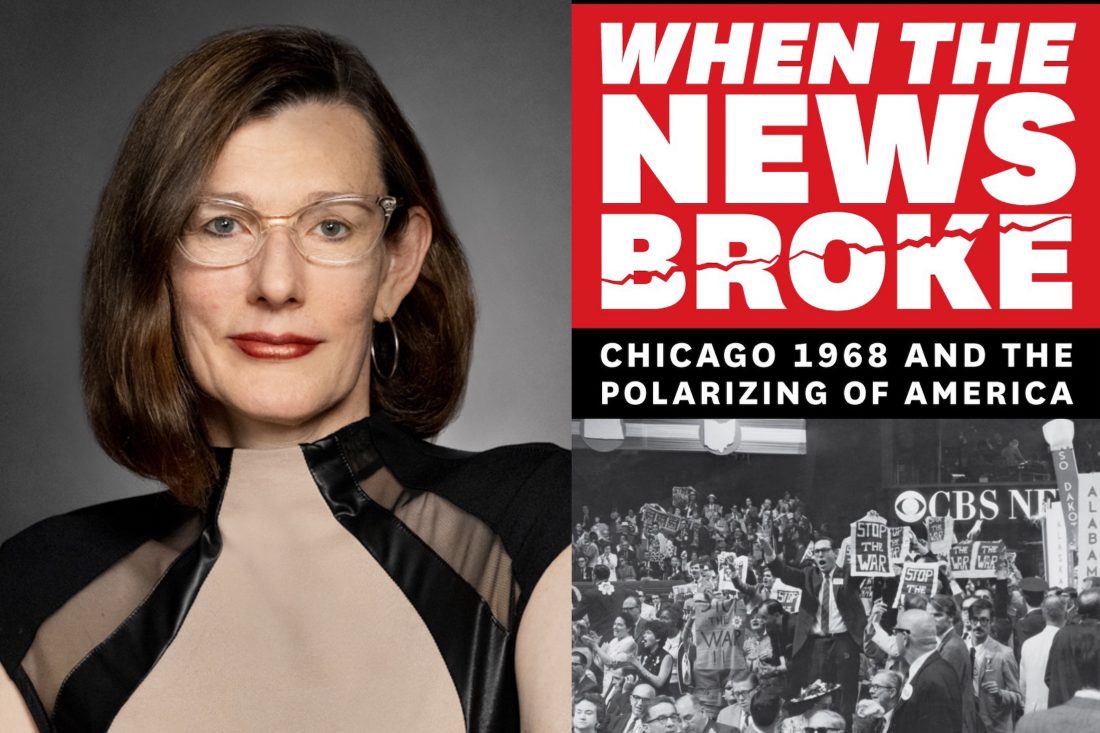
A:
(654, 663)
(816, 697)
(615, 652)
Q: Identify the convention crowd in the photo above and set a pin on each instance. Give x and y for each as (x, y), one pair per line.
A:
(667, 636)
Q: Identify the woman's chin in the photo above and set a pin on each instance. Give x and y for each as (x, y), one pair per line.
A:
(287, 421)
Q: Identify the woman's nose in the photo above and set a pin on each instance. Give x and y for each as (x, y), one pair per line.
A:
(278, 269)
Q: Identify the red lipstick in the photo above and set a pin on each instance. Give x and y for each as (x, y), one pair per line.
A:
(274, 346)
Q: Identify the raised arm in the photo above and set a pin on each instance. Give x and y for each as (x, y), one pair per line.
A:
(783, 571)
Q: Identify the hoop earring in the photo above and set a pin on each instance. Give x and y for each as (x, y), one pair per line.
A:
(396, 351)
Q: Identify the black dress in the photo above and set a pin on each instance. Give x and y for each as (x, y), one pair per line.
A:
(368, 580)
(652, 662)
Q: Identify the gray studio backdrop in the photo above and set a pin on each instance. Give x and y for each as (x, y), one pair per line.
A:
(486, 86)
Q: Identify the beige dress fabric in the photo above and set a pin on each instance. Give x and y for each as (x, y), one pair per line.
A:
(296, 628)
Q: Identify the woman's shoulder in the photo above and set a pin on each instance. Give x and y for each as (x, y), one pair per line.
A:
(428, 466)
(521, 493)
(46, 564)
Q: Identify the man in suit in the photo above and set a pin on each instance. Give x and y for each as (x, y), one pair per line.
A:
(600, 603)
(1082, 711)
(1036, 651)
(996, 675)
(1063, 676)
(875, 714)
(659, 716)
(829, 627)
(1031, 623)
(640, 697)
(694, 717)
(930, 699)
(956, 653)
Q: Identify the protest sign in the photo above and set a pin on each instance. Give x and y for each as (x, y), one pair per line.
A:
(899, 544)
(961, 560)
(941, 534)
(682, 592)
(683, 496)
(656, 519)
(916, 577)
(715, 636)
(986, 555)
(788, 596)
(870, 547)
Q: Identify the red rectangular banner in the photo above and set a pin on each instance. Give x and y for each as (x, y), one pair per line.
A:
(838, 166)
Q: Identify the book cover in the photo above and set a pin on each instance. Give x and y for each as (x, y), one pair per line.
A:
(833, 316)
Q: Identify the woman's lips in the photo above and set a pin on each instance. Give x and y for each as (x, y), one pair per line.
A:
(274, 346)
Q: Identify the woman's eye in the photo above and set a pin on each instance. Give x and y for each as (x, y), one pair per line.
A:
(332, 229)
(223, 226)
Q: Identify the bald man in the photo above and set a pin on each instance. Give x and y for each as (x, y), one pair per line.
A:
(639, 698)
(930, 699)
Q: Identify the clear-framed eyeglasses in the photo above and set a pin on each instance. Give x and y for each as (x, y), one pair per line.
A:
(337, 230)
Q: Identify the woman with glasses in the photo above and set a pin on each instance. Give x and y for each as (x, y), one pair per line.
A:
(276, 315)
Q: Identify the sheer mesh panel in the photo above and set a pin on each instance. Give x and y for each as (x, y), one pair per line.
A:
(464, 542)
(90, 616)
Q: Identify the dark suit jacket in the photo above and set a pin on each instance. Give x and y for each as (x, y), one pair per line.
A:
(618, 708)
(1062, 677)
(867, 725)
(955, 652)
(601, 609)
(809, 580)
(934, 704)
(1025, 628)
(1078, 714)
(620, 724)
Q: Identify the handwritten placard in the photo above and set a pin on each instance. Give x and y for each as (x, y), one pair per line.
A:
(916, 577)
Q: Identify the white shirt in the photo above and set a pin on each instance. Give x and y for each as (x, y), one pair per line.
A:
(611, 560)
(1033, 666)
(836, 621)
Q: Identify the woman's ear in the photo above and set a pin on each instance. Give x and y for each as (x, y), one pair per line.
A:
(403, 260)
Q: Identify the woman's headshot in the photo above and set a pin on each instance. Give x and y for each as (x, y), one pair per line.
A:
(277, 320)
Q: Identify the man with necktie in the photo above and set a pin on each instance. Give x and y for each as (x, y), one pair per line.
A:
(830, 623)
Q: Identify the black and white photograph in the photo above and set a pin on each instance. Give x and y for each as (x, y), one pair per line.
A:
(790, 574)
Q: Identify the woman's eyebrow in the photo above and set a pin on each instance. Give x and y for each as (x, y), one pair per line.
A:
(237, 196)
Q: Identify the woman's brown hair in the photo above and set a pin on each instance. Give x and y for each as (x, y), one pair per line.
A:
(141, 401)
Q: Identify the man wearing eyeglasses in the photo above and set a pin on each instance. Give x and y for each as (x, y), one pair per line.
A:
(874, 715)
(930, 699)
(828, 633)
(694, 717)
(639, 699)
(660, 716)
(996, 675)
